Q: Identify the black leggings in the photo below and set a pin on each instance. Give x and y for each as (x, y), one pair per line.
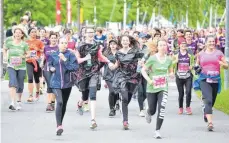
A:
(112, 96)
(188, 87)
(62, 96)
(160, 99)
(47, 76)
(142, 93)
(209, 94)
(126, 94)
(31, 73)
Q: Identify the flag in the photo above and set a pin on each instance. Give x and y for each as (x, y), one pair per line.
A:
(58, 12)
(69, 12)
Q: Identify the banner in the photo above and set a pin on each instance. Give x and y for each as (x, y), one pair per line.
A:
(58, 12)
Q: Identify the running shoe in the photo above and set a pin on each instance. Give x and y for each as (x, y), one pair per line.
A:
(142, 114)
(148, 117)
(41, 91)
(210, 127)
(112, 113)
(85, 107)
(12, 108)
(188, 111)
(125, 125)
(157, 135)
(117, 107)
(59, 130)
(30, 99)
(53, 106)
(93, 124)
(80, 109)
(205, 118)
(37, 96)
(49, 108)
(19, 107)
(180, 111)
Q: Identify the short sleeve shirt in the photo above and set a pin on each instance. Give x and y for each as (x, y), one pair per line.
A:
(15, 54)
(158, 73)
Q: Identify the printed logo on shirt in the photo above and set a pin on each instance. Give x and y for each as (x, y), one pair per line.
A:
(159, 81)
(15, 61)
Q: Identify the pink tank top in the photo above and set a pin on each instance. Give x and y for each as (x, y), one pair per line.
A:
(210, 62)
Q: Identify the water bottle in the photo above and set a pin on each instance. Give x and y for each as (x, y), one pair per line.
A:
(139, 67)
(89, 61)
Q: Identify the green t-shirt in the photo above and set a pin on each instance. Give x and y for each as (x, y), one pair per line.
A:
(158, 72)
(15, 54)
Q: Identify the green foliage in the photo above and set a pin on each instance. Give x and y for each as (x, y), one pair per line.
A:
(44, 10)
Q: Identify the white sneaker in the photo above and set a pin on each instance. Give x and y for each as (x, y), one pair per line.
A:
(19, 107)
(157, 135)
(142, 113)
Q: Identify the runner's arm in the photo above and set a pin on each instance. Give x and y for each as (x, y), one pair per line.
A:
(145, 75)
(101, 57)
(223, 63)
(79, 59)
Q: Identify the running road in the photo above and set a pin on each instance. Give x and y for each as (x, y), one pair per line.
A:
(34, 125)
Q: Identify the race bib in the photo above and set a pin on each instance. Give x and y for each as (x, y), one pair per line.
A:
(159, 81)
(15, 61)
(183, 67)
(212, 73)
(33, 53)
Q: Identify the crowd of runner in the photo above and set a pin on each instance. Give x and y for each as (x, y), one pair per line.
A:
(139, 62)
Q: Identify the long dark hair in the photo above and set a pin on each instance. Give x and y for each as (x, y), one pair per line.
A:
(133, 43)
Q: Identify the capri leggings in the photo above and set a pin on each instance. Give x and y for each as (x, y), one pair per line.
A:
(89, 86)
(47, 76)
(209, 94)
(31, 73)
(160, 99)
(16, 79)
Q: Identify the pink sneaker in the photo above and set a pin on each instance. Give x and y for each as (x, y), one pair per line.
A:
(188, 111)
(125, 125)
(180, 111)
(59, 130)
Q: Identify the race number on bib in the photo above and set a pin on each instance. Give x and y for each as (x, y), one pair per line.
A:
(33, 53)
(183, 67)
(15, 61)
(159, 81)
(212, 73)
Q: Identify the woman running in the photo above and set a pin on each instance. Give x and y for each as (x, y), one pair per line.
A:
(61, 63)
(108, 76)
(33, 68)
(46, 42)
(126, 77)
(48, 50)
(151, 50)
(158, 66)
(15, 52)
(89, 56)
(184, 62)
(209, 82)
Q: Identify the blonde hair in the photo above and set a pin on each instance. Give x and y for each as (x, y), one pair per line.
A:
(152, 47)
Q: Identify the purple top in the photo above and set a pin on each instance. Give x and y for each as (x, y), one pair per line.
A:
(47, 52)
(46, 41)
(222, 41)
(192, 47)
(183, 62)
(170, 42)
